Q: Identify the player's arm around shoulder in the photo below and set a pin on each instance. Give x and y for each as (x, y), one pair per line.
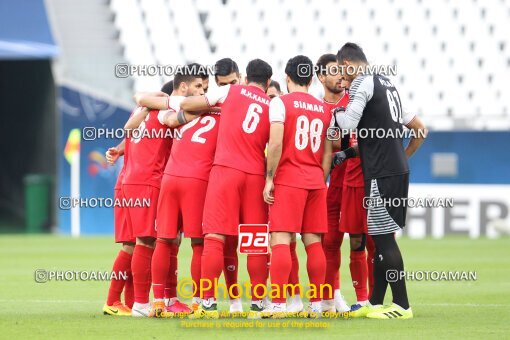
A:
(136, 118)
(419, 133)
(152, 100)
(201, 104)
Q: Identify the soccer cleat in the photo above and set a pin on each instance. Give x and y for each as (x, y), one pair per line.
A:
(314, 310)
(266, 302)
(141, 309)
(236, 306)
(328, 306)
(256, 309)
(117, 309)
(295, 304)
(195, 303)
(208, 310)
(178, 307)
(158, 309)
(341, 305)
(275, 311)
(392, 312)
(359, 311)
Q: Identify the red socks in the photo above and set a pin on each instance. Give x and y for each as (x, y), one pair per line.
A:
(196, 265)
(370, 264)
(231, 264)
(294, 273)
(331, 243)
(316, 267)
(171, 278)
(141, 269)
(281, 266)
(258, 271)
(212, 263)
(358, 267)
(129, 293)
(160, 265)
(121, 265)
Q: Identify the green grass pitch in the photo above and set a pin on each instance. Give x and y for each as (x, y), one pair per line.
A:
(72, 309)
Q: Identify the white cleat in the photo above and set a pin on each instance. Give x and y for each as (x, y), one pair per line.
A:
(275, 311)
(295, 304)
(314, 310)
(141, 309)
(266, 302)
(328, 306)
(236, 306)
(341, 305)
(256, 309)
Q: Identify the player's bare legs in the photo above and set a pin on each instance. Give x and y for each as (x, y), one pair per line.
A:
(281, 266)
(141, 269)
(121, 265)
(316, 268)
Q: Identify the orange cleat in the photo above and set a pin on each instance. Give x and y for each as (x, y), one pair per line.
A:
(157, 310)
(117, 309)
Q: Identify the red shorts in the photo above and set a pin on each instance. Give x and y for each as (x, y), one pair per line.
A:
(141, 219)
(180, 206)
(334, 201)
(298, 210)
(354, 216)
(122, 230)
(233, 197)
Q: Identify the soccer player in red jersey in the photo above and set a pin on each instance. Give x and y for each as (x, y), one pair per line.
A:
(334, 96)
(122, 263)
(298, 154)
(226, 73)
(148, 153)
(183, 188)
(237, 176)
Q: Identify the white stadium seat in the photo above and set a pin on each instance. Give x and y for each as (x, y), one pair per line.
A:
(433, 43)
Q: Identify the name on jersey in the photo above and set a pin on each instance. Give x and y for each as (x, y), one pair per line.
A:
(254, 96)
(308, 106)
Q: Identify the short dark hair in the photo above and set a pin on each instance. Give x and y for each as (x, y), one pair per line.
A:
(259, 72)
(300, 70)
(276, 85)
(351, 52)
(224, 67)
(323, 61)
(168, 88)
(188, 73)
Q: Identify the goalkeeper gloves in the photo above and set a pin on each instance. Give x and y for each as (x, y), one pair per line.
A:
(341, 156)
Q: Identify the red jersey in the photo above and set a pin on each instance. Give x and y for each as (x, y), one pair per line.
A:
(353, 172)
(192, 155)
(120, 177)
(244, 128)
(148, 150)
(336, 177)
(306, 121)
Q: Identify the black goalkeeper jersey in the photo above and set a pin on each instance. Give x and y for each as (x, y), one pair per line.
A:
(380, 127)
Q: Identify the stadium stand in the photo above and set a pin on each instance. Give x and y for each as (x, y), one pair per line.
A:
(454, 78)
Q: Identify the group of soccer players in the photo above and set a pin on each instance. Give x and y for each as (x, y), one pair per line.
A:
(217, 176)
